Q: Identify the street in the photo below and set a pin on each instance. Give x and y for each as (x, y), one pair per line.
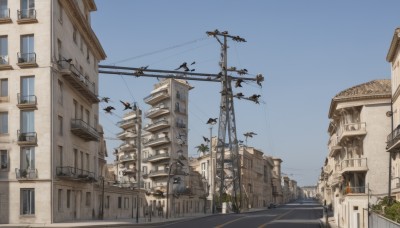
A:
(305, 213)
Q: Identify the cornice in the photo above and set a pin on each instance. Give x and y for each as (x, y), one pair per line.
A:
(393, 45)
(84, 28)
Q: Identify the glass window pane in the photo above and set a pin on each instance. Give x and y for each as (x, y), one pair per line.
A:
(3, 122)
(3, 45)
(4, 88)
(4, 159)
(27, 121)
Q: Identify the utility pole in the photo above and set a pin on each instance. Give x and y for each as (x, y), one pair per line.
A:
(138, 125)
(227, 122)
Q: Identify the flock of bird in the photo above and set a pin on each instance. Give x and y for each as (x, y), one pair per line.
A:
(110, 108)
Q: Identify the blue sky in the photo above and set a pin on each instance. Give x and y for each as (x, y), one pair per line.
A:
(308, 51)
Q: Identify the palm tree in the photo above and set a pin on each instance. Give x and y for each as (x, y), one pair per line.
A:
(202, 148)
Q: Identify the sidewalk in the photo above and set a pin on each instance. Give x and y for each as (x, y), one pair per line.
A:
(123, 222)
(331, 221)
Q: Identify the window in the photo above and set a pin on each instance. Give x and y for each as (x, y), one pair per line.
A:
(27, 9)
(27, 51)
(27, 201)
(74, 35)
(28, 90)
(28, 158)
(60, 156)
(4, 13)
(27, 122)
(75, 158)
(3, 47)
(3, 122)
(60, 125)
(60, 92)
(87, 162)
(119, 202)
(4, 87)
(126, 202)
(107, 203)
(59, 199)
(4, 160)
(68, 198)
(75, 109)
(82, 160)
(88, 199)
(204, 170)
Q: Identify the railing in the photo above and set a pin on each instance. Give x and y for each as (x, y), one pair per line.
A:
(73, 173)
(80, 124)
(26, 57)
(4, 13)
(156, 123)
(78, 75)
(157, 172)
(155, 95)
(26, 99)
(127, 158)
(26, 173)
(353, 163)
(124, 122)
(354, 190)
(393, 137)
(352, 127)
(27, 137)
(156, 156)
(157, 140)
(154, 110)
(4, 60)
(26, 14)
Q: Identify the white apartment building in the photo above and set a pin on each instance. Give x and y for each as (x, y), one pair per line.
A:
(393, 142)
(354, 174)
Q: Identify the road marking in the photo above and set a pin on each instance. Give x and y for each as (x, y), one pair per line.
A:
(222, 225)
(265, 224)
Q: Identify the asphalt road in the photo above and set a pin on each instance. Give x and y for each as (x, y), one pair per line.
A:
(300, 214)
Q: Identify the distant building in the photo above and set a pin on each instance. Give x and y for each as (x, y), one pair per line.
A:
(309, 192)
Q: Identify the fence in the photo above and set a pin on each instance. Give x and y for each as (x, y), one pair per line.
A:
(378, 221)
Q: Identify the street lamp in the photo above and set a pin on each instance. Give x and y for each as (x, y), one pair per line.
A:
(212, 183)
(176, 162)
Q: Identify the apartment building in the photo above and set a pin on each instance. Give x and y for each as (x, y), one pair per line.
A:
(355, 171)
(277, 190)
(393, 139)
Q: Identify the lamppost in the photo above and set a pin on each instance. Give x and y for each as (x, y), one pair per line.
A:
(212, 181)
(176, 162)
(102, 198)
(138, 123)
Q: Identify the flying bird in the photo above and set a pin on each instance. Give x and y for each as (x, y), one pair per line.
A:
(212, 121)
(259, 79)
(126, 104)
(238, 83)
(108, 109)
(183, 66)
(206, 139)
(193, 63)
(105, 99)
(239, 95)
(249, 134)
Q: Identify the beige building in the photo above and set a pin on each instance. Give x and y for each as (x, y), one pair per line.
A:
(393, 139)
(277, 190)
(354, 172)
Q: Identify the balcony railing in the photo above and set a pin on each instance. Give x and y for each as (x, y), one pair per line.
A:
(26, 173)
(26, 59)
(154, 98)
(83, 130)
(157, 141)
(26, 138)
(126, 123)
(129, 172)
(26, 101)
(78, 81)
(334, 146)
(127, 146)
(4, 60)
(352, 129)
(127, 158)
(393, 140)
(157, 173)
(5, 15)
(155, 112)
(72, 173)
(157, 157)
(26, 15)
(354, 164)
(354, 190)
(157, 125)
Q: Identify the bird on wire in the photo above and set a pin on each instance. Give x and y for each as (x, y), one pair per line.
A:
(109, 109)
(239, 95)
(254, 98)
(127, 105)
(105, 99)
(183, 66)
(212, 121)
(239, 83)
(259, 79)
(242, 71)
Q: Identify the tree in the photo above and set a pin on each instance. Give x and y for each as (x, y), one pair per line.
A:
(202, 148)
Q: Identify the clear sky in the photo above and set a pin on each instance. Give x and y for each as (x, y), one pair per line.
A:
(308, 51)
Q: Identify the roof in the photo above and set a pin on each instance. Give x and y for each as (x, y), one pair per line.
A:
(380, 88)
(393, 45)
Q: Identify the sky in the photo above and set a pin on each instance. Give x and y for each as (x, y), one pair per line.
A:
(308, 51)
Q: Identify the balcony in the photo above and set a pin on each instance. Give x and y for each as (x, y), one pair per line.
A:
(79, 82)
(395, 182)
(352, 129)
(26, 174)
(125, 124)
(156, 141)
(393, 140)
(354, 165)
(156, 112)
(126, 135)
(127, 158)
(336, 179)
(157, 125)
(158, 173)
(81, 129)
(334, 146)
(157, 157)
(26, 101)
(26, 138)
(154, 98)
(26, 60)
(129, 172)
(26, 16)
(127, 146)
(5, 62)
(74, 174)
(354, 190)
(5, 16)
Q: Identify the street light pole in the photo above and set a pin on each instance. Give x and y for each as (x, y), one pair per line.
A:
(138, 118)
(102, 203)
(212, 181)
